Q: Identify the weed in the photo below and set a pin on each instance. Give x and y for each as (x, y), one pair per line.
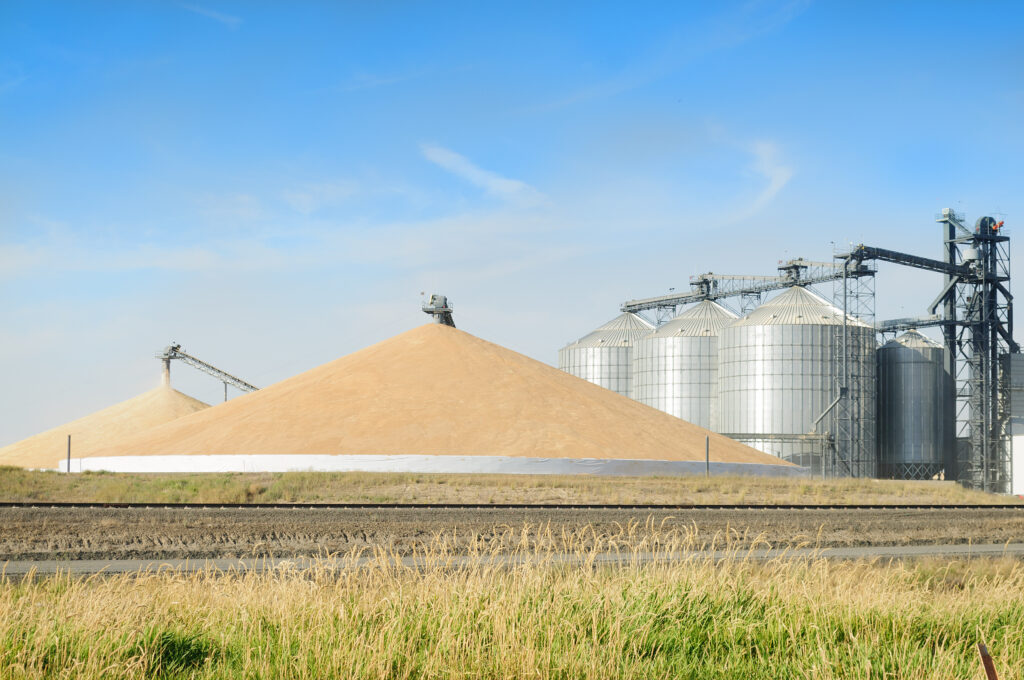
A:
(170, 653)
(18, 484)
(360, 616)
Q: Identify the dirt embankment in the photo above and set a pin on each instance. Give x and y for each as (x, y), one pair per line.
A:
(113, 533)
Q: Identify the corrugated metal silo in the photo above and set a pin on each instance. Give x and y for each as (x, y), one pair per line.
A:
(914, 391)
(777, 373)
(605, 356)
(675, 369)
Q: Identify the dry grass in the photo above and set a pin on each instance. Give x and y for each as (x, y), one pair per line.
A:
(17, 484)
(689, 618)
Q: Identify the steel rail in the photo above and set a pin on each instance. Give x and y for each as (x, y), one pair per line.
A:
(506, 506)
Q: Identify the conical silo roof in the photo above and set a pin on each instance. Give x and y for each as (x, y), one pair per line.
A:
(704, 318)
(913, 339)
(622, 331)
(798, 307)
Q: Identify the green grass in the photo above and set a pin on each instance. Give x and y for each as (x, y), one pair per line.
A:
(17, 484)
(689, 619)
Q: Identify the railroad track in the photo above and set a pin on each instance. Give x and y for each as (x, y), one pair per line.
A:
(510, 506)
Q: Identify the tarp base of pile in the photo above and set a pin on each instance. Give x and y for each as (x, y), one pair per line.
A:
(505, 465)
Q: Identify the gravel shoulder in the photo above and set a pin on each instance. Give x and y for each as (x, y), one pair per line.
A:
(118, 533)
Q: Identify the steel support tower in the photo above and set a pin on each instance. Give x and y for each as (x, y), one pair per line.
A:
(977, 325)
(855, 453)
(979, 344)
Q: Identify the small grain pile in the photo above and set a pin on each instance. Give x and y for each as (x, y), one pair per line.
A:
(435, 390)
(96, 430)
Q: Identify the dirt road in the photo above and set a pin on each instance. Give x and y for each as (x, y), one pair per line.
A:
(119, 533)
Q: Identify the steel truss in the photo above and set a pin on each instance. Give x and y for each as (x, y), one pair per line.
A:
(174, 351)
(750, 289)
(911, 471)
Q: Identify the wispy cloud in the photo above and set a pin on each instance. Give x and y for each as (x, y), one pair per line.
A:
(309, 199)
(512, 190)
(364, 81)
(767, 164)
(751, 20)
(16, 260)
(11, 83)
(231, 207)
(496, 241)
(67, 256)
(729, 29)
(231, 22)
(11, 76)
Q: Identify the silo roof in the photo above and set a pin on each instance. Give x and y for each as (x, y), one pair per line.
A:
(913, 339)
(704, 318)
(622, 331)
(798, 307)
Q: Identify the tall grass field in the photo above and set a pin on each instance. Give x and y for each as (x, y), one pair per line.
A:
(17, 484)
(680, 616)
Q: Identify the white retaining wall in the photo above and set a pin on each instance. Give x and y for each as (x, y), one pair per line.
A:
(426, 464)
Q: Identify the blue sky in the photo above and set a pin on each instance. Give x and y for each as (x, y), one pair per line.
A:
(273, 184)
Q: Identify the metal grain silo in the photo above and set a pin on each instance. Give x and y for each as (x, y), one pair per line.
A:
(914, 391)
(605, 356)
(675, 368)
(777, 371)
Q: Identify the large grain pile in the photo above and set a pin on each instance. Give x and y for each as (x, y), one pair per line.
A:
(147, 410)
(439, 391)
